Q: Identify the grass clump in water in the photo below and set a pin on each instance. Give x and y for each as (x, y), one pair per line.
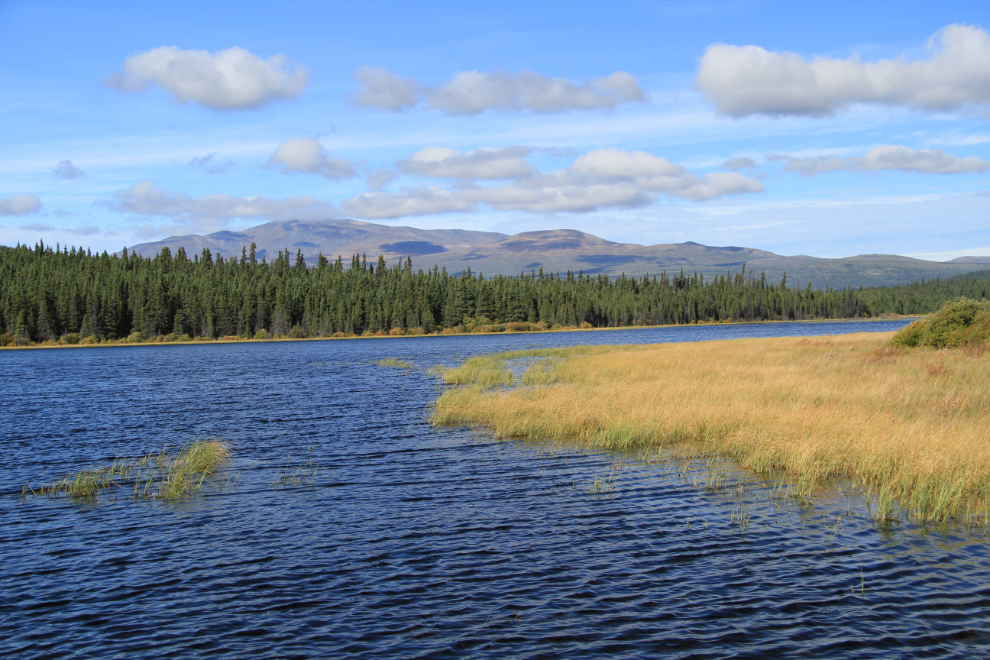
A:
(911, 426)
(395, 363)
(161, 476)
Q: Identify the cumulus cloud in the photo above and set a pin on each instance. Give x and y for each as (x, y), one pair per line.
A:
(886, 157)
(18, 204)
(66, 170)
(147, 199)
(232, 79)
(384, 90)
(747, 80)
(473, 92)
(736, 164)
(211, 164)
(491, 164)
(602, 178)
(381, 178)
(308, 155)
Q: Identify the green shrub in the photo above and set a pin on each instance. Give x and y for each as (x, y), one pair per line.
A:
(135, 338)
(959, 322)
(72, 338)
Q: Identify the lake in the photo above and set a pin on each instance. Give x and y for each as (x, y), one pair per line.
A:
(418, 542)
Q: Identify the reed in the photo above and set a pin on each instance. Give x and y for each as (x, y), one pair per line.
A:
(395, 363)
(484, 372)
(820, 409)
(162, 476)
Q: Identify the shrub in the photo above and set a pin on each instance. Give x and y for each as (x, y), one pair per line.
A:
(959, 322)
(71, 338)
(298, 333)
(135, 338)
(396, 332)
(261, 334)
(414, 331)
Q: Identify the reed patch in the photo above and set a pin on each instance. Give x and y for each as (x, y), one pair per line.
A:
(914, 435)
(161, 476)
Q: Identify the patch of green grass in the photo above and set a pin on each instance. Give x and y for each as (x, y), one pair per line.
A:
(395, 363)
(161, 476)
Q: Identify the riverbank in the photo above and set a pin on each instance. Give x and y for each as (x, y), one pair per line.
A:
(516, 328)
(911, 425)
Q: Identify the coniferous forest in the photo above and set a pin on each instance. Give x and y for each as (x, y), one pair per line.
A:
(68, 295)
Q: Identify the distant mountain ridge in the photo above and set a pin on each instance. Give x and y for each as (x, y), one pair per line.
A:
(555, 250)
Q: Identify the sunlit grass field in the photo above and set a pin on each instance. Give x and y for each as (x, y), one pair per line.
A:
(911, 425)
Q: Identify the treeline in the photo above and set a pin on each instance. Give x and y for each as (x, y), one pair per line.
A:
(49, 294)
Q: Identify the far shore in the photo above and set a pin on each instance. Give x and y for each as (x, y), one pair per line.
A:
(161, 341)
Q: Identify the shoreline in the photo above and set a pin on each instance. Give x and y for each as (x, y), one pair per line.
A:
(908, 426)
(121, 343)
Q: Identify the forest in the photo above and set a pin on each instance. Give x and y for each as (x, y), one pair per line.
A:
(70, 295)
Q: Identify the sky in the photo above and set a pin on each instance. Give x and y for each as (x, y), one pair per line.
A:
(822, 128)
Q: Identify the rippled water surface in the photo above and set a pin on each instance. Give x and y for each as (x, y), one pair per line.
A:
(422, 542)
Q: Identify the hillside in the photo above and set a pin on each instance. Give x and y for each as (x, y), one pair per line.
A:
(557, 250)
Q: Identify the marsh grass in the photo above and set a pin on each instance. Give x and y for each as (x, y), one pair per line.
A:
(161, 476)
(913, 436)
(485, 372)
(395, 363)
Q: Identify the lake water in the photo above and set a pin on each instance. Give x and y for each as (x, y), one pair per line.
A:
(416, 542)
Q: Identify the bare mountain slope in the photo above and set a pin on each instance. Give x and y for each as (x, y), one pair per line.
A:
(557, 250)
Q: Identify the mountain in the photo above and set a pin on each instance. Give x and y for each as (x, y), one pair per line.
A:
(557, 250)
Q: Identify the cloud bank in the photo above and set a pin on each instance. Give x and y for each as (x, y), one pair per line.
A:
(307, 155)
(886, 157)
(602, 178)
(748, 80)
(473, 92)
(18, 204)
(489, 164)
(233, 79)
(208, 211)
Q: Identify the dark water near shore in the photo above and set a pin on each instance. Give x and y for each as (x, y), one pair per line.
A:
(422, 542)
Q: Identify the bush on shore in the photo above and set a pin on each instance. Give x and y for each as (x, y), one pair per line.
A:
(959, 322)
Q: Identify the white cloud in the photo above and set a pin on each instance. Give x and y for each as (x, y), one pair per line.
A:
(66, 170)
(307, 155)
(440, 162)
(736, 164)
(208, 211)
(384, 90)
(747, 80)
(473, 92)
(18, 204)
(232, 79)
(886, 157)
(602, 178)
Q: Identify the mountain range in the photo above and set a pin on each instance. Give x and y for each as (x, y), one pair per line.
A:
(560, 250)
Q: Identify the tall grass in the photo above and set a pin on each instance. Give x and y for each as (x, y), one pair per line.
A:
(483, 371)
(395, 363)
(913, 426)
(162, 476)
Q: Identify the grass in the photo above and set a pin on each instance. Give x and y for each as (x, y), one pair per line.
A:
(395, 363)
(909, 426)
(485, 372)
(161, 476)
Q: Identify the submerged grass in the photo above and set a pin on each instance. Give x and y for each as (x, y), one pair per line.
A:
(395, 363)
(161, 476)
(910, 426)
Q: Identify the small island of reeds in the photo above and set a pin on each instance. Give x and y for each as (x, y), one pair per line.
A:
(905, 416)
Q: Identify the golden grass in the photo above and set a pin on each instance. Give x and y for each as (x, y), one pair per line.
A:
(395, 363)
(161, 476)
(913, 426)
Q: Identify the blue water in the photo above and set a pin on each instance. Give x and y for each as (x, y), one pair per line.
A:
(418, 542)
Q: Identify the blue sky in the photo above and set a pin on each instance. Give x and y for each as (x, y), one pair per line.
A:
(830, 129)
